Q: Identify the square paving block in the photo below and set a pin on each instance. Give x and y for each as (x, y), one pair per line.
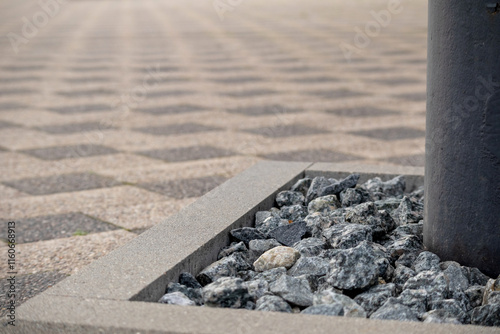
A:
(320, 155)
(335, 93)
(391, 134)
(361, 112)
(81, 108)
(281, 131)
(176, 129)
(66, 152)
(56, 226)
(185, 188)
(250, 93)
(171, 109)
(263, 110)
(61, 183)
(74, 127)
(118, 292)
(187, 153)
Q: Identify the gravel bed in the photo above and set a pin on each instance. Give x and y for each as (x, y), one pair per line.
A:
(333, 247)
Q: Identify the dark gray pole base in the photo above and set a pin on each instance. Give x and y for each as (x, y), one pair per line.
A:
(462, 171)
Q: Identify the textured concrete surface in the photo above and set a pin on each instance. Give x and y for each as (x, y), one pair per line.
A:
(152, 92)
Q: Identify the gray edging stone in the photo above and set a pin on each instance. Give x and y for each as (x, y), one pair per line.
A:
(99, 298)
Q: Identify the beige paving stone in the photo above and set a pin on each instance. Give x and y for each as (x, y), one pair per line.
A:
(66, 255)
(227, 167)
(140, 216)
(19, 166)
(8, 192)
(82, 201)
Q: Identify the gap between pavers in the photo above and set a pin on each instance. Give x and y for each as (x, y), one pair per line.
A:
(113, 294)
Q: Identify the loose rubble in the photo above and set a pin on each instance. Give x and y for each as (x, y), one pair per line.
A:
(339, 248)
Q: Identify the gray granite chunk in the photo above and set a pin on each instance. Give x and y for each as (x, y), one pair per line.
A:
(406, 244)
(289, 234)
(176, 298)
(257, 288)
(271, 275)
(415, 299)
(193, 294)
(367, 214)
(310, 246)
(401, 275)
(475, 295)
(336, 187)
(287, 198)
(373, 298)
(324, 309)
(426, 261)
(246, 234)
(293, 213)
(234, 247)
(302, 185)
(227, 292)
(393, 310)
(294, 290)
(487, 315)
(475, 276)
(270, 223)
(453, 307)
(492, 286)
(272, 303)
(227, 266)
(354, 196)
(260, 246)
(350, 307)
(381, 190)
(313, 265)
(323, 204)
(344, 236)
(356, 268)
(317, 184)
(440, 317)
(189, 280)
(435, 283)
(404, 214)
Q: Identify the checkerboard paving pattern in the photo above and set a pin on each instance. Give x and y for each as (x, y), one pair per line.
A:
(118, 114)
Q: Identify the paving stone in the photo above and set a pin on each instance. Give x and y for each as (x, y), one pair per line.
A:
(315, 79)
(321, 155)
(5, 125)
(56, 226)
(395, 81)
(263, 110)
(408, 160)
(361, 112)
(249, 93)
(87, 80)
(61, 183)
(177, 129)
(15, 91)
(286, 131)
(185, 188)
(80, 108)
(187, 153)
(171, 109)
(74, 128)
(335, 94)
(78, 93)
(11, 106)
(67, 152)
(28, 286)
(237, 80)
(390, 134)
(413, 96)
(167, 93)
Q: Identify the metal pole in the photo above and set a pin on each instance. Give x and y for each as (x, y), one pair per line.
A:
(462, 170)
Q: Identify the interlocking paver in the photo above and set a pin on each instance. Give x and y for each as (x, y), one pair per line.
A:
(67, 152)
(279, 60)
(56, 226)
